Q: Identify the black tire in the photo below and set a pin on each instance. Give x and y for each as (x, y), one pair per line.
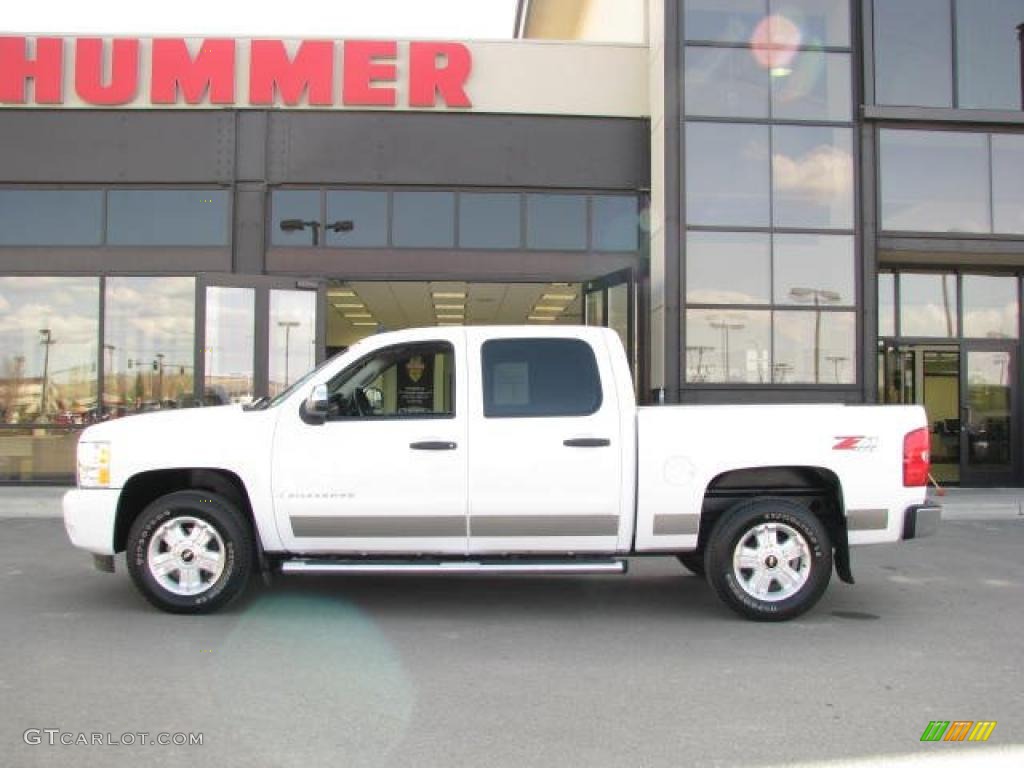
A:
(230, 544)
(789, 528)
(693, 562)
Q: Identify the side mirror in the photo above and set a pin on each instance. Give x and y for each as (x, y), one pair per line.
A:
(375, 397)
(316, 403)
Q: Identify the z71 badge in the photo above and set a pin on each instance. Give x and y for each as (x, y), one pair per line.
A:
(855, 443)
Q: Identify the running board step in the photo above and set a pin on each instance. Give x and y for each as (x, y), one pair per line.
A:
(453, 566)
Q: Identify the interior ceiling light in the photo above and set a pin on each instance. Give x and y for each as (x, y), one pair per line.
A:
(449, 323)
(558, 296)
(366, 325)
(548, 309)
(451, 317)
(345, 294)
(457, 307)
(358, 314)
(544, 318)
(449, 295)
(343, 305)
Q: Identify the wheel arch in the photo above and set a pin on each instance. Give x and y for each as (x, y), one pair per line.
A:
(145, 487)
(819, 488)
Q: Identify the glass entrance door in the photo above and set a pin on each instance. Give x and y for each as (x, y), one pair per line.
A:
(256, 335)
(987, 413)
(610, 302)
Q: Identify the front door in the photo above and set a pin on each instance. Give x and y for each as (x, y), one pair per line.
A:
(256, 335)
(987, 413)
(386, 471)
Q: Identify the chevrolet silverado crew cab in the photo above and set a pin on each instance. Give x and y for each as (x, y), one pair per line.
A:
(497, 449)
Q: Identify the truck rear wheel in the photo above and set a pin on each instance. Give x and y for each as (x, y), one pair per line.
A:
(769, 559)
(190, 552)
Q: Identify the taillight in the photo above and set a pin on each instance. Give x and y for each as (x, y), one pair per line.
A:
(917, 459)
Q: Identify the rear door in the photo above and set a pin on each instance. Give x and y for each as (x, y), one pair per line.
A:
(545, 465)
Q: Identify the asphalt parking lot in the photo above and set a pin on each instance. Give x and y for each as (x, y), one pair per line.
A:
(646, 670)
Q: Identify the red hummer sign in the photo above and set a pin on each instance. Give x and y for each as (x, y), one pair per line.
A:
(130, 71)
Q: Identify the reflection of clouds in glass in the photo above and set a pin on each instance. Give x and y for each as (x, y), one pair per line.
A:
(795, 348)
(825, 171)
(718, 341)
(294, 349)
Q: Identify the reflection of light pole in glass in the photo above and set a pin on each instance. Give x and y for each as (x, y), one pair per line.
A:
(47, 341)
(818, 296)
(160, 379)
(836, 360)
(700, 349)
(725, 326)
(287, 325)
(1020, 42)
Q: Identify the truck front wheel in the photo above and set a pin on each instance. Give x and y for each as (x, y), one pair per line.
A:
(769, 559)
(190, 552)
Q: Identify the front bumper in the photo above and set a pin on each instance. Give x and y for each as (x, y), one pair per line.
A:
(921, 520)
(89, 516)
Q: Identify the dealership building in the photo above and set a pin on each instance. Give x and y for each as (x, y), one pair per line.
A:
(768, 200)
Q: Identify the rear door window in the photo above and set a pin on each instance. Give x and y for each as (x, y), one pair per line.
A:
(540, 377)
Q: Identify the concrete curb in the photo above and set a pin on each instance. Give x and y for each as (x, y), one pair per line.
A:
(20, 501)
(31, 501)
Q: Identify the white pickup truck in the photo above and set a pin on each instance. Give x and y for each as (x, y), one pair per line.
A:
(498, 449)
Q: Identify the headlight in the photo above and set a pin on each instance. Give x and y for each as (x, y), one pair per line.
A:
(93, 465)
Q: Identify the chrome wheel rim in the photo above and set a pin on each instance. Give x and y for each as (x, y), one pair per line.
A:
(186, 556)
(772, 562)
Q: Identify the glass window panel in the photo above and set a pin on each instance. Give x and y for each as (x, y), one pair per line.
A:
(539, 377)
(299, 212)
(730, 21)
(812, 177)
(38, 455)
(167, 217)
(423, 220)
(367, 212)
(728, 346)
(990, 306)
(292, 337)
(815, 348)
(51, 217)
(988, 53)
(816, 86)
(727, 174)
(886, 304)
(149, 344)
(615, 221)
(820, 22)
(490, 220)
(49, 335)
(230, 345)
(725, 82)
(728, 268)
(928, 305)
(813, 269)
(556, 222)
(934, 181)
(913, 53)
(406, 381)
(1008, 182)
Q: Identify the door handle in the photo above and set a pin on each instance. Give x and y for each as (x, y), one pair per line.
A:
(433, 445)
(587, 442)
